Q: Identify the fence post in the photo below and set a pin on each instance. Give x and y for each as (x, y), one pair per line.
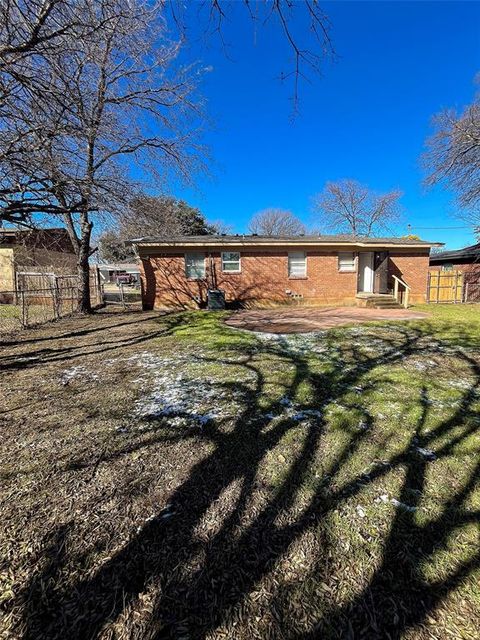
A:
(98, 286)
(122, 296)
(55, 297)
(15, 299)
(24, 315)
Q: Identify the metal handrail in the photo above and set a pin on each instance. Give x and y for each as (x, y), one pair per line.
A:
(397, 282)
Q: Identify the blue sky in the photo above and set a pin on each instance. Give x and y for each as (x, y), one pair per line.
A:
(366, 118)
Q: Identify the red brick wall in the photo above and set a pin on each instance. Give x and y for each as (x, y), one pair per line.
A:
(264, 278)
(413, 269)
(472, 269)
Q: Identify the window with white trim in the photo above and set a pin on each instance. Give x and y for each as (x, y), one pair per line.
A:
(346, 261)
(195, 265)
(297, 264)
(231, 261)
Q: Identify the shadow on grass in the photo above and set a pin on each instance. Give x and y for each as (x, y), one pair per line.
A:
(102, 344)
(31, 335)
(203, 585)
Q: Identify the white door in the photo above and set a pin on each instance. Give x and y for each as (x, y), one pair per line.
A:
(365, 271)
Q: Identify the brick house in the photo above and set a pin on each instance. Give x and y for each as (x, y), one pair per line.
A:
(34, 250)
(260, 270)
(466, 260)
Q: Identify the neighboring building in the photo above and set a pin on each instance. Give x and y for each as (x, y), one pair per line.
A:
(466, 260)
(262, 270)
(34, 250)
(110, 272)
(455, 275)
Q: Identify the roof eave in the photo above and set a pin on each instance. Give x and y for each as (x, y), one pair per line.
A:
(300, 242)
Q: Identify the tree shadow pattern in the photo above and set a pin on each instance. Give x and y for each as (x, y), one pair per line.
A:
(205, 588)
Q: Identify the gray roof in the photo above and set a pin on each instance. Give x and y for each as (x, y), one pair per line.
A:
(118, 266)
(467, 254)
(278, 240)
(12, 231)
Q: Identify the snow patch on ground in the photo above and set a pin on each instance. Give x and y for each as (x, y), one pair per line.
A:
(402, 506)
(176, 396)
(297, 344)
(178, 393)
(422, 365)
(77, 373)
(379, 347)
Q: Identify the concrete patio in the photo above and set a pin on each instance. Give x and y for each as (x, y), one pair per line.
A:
(305, 319)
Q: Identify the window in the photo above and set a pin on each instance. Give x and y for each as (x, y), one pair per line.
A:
(195, 265)
(297, 264)
(231, 261)
(346, 261)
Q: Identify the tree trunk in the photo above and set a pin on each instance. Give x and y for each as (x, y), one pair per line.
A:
(84, 305)
(83, 268)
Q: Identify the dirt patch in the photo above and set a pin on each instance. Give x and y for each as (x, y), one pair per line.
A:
(305, 320)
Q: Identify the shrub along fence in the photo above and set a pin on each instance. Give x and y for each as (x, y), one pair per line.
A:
(43, 297)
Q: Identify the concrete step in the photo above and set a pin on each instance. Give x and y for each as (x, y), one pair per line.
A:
(382, 302)
(394, 305)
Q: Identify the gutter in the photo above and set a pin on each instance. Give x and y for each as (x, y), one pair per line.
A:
(213, 245)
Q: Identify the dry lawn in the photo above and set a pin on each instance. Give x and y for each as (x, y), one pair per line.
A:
(170, 477)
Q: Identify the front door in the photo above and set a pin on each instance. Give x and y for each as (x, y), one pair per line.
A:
(381, 272)
(365, 272)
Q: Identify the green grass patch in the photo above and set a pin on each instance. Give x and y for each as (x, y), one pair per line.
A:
(9, 311)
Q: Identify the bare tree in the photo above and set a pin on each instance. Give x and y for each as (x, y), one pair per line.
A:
(88, 89)
(36, 27)
(124, 101)
(32, 33)
(34, 36)
(304, 25)
(453, 157)
(276, 222)
(128, 103)
(350, 207)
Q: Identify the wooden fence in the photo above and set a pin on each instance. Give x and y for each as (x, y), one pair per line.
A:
(454, 287)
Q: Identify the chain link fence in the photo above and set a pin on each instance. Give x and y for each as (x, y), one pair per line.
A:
(42, 297)
(121, 294)
(472, 291)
